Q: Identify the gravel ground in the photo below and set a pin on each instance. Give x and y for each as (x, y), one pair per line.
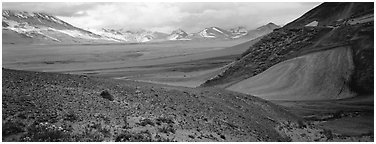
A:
(41, 106)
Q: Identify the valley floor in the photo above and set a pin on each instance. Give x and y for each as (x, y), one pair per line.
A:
(183, 63)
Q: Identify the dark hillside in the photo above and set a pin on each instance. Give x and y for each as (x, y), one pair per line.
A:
(332, 13)
(363, 50)
(295, 39)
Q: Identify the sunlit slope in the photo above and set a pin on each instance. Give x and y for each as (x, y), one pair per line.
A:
(317, 76)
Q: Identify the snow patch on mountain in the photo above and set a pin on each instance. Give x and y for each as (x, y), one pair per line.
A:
(110, 35)
(21, 16)
(205, 34)
(75, 34)
(19, 27)
(216, 29)
(54, 39)
(144, 39)
(173, 37)
(121, 35)
(30, 31)
(26, 30)
(5, 13)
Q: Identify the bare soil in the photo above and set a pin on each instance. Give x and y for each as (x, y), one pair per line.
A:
(41, 106)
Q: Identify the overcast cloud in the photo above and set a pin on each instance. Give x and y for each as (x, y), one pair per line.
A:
(166, 17)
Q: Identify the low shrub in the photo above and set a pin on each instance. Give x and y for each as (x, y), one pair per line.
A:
(165, 120)
(106, 95)
(145, 122)
(143, 136)
(167, 129)
(223, 137)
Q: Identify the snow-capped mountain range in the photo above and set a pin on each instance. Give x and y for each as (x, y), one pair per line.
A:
(121, 35)
(43, 28)
(21, 26)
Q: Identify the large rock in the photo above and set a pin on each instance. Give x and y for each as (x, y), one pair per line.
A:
(106, 95)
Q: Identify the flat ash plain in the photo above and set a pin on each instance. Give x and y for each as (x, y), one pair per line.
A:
(188, 62)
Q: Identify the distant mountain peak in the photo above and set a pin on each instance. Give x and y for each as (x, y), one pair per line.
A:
(271, 23)
(179, 31)
(211, 32)
(177, 34)
(269, 26)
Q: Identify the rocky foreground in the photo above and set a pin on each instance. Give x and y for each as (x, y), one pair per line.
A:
(41, 106)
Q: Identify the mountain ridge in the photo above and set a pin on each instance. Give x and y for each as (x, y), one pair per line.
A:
(34, 27)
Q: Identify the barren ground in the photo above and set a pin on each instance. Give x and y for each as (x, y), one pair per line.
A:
(189, 63)
(59, 107)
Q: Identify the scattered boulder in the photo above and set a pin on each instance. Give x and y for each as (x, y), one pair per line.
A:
(106, 95)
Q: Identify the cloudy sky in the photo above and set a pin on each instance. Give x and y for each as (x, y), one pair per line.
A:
(166, 17)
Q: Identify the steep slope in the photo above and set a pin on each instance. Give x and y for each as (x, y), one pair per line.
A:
(270, 50)
(296, 39)
(317, 76)
(332, 13)
(80, 108)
